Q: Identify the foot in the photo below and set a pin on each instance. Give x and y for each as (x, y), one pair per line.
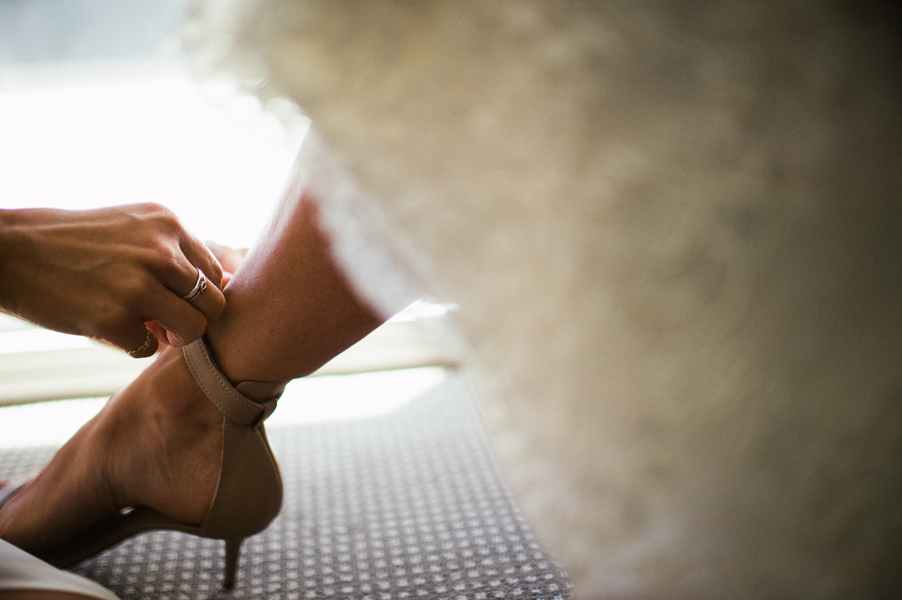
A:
(157, 443)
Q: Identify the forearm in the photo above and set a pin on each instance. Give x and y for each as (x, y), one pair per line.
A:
(12, 246)
(6, 245)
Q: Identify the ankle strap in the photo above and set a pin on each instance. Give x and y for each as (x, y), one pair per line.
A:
(233, 404)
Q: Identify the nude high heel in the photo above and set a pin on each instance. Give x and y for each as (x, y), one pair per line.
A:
(249, 493)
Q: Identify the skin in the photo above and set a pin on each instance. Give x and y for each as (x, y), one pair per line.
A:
(158, 442)
(114, 274)
(109, 274)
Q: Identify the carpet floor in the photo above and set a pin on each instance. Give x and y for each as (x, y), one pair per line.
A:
(406, 504)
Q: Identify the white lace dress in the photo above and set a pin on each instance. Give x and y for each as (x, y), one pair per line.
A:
(671, 230)
(20, 571)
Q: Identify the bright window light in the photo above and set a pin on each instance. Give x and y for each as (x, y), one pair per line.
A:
(308, 400)
(84, 137)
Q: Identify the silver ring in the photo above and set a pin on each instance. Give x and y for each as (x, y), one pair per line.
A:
(198, 288)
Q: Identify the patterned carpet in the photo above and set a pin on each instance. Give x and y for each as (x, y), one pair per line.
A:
(402, 505)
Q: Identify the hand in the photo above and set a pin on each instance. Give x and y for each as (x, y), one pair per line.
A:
(111, 274)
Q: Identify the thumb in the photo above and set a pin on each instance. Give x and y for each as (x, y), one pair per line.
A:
(158, 330)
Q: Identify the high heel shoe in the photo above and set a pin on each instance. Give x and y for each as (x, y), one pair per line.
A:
(249, 493)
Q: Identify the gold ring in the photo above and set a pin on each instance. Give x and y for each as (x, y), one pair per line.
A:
(143, 347)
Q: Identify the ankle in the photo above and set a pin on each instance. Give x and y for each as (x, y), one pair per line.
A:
(236, 366)
(172, 391)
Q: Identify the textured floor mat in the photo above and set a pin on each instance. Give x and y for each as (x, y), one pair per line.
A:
(405, 505)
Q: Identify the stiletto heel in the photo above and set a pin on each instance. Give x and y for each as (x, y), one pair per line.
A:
(233, 551)
(249, 493)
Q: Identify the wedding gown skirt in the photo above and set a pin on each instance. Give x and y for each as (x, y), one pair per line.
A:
(672, 234)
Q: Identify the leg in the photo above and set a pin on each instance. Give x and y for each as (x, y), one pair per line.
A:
(289, 309)
(158, 442)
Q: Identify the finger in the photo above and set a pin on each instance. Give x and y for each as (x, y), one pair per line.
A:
(165, 336)
(159, 331)
(181, 319)
(184, 280)
(230, 258)
(210, 301)
(202, 258)
(121, 328)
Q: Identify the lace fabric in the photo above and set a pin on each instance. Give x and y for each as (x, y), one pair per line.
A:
(359, 236)
(643, 213)
(20, 571)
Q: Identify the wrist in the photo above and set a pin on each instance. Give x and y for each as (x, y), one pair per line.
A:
(13, 245)
(7, 218)
(10, 232)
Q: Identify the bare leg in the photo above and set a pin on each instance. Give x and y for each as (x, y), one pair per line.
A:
(158, 442)
(289, 308)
